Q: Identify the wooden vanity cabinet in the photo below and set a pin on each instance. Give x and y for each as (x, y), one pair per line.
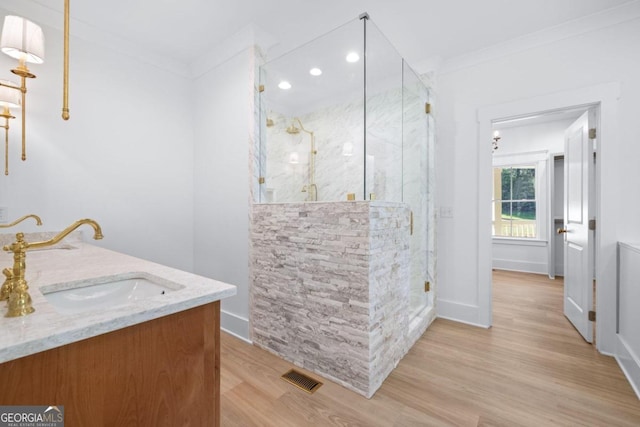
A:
(163, 372)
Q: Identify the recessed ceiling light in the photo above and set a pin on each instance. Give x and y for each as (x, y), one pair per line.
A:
(285, 85)
(353, 57)
(315, 71)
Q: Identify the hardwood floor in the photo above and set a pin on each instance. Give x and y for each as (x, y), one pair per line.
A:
(530, 369)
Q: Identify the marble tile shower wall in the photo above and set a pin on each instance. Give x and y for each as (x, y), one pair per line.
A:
(330, 287)
(338, 174)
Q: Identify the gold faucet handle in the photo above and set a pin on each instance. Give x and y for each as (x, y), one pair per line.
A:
(18, 246)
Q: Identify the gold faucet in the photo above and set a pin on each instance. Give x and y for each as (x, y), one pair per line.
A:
(19, 298)
(19, 220)
(7, 285)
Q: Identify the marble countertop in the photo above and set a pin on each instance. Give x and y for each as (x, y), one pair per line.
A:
(74, 261)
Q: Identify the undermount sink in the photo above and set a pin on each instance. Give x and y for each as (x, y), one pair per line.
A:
(106, 292)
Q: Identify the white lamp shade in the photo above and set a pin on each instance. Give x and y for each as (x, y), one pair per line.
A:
(22, 38)
(9, 97)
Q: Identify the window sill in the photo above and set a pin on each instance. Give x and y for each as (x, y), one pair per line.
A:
(519, 241)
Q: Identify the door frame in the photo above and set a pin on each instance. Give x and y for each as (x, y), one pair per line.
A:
(606, 97)
(552, 253)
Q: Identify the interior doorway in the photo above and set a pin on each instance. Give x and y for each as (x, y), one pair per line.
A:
(607, 97)
(542, 210)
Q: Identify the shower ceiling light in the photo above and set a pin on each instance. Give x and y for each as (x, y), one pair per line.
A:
(284, 85)
(353, 57)
(294, 158)
(315, 71)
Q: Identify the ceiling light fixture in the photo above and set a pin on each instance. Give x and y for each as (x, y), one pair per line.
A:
(315, 71)
(24, 40)
(353, 57)
(284, 85)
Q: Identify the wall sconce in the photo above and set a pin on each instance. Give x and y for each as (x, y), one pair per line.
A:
(496, 138)
(294, 158)
(9, 98)
(23, 40)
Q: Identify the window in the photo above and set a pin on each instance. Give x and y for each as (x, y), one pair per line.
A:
(514, 201)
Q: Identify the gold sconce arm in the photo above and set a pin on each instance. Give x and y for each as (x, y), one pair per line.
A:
(23, 90)
(24, 73)
(12, 86)
(6, 113)
(65, 82)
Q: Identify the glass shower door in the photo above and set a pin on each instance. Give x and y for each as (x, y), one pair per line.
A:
(416, 188)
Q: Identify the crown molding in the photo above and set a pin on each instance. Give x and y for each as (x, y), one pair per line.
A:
(253, 35)
(52, 18)
(46, 16)
(594, 22)
(249, 36)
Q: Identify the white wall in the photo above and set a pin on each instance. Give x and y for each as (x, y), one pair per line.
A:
(223, 131)
(609, 54)
(547, 136)
(628, 345)
(124, 158)
(515, 255)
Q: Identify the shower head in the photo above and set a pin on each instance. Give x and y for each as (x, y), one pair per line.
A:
(293, 129)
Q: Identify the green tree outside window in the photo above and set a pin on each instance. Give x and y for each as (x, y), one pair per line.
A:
(514, 210)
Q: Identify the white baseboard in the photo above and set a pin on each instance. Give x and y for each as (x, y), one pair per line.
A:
(523, 266)
(235, 325)
(463, 313)
(419, 324)
(629, 363)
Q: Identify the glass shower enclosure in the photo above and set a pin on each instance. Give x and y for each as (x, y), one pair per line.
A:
(344, 117)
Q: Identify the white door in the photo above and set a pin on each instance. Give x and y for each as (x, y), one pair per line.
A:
(578, 210)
